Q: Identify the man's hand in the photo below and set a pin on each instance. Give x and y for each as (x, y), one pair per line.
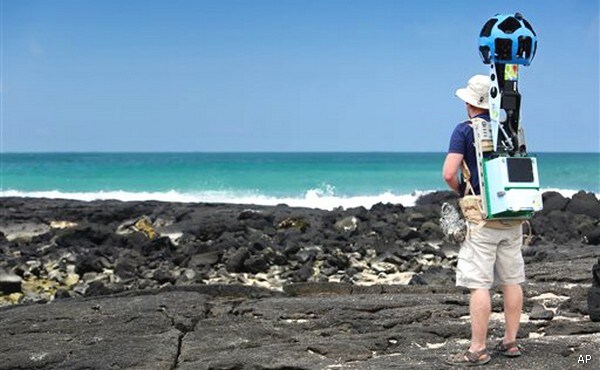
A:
(450, 171)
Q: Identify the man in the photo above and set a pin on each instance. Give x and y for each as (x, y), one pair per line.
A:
(491, 254)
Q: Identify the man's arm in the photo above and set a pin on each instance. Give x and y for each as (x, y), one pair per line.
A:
(450, 171)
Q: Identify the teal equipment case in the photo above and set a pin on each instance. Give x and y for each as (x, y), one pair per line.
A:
(513, 188)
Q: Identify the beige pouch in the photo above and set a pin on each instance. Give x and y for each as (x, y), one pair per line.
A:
(472, 208)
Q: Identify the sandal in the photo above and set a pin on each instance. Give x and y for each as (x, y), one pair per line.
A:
(511, 349)
(467, 358)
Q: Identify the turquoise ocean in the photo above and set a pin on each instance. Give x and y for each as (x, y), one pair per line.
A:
(315, 180)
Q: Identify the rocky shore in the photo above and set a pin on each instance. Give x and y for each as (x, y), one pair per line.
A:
(219, 286)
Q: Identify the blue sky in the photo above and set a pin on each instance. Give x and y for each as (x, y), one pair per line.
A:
(281, 75)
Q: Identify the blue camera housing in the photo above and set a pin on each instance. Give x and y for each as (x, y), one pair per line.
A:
(507, 39)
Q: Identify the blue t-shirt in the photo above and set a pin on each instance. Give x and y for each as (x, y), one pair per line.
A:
(462, 142)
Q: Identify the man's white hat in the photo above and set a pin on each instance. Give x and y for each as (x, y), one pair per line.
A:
(476, 92)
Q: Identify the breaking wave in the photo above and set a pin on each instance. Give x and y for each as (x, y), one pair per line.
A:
(321, 198)
(313, 198)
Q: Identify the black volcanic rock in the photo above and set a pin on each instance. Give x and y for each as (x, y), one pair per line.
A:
(291, 248)
(594, 303)
(429, 230)
(206, 225)
(555, 226)
(225, 241)
(235, 262)
(93, 262)
(596, 274)
(437, 198)
(416, 219)
(594, 294)
(256, 219)
(592, 236)
(97, 288)
(161, 244)
(308, 326)
(339, 261)
(434, 276)
(407, 233)
(256, 264)
(9, 282)
(210, 240)
(585, 204)
(303, 273)
(169, 313)
(83, 235)
(554, 201)
(133, 240)
(204, 259)
(363, 214)
(538, 312)
(125, 269)
(163, 276)
(380, 209)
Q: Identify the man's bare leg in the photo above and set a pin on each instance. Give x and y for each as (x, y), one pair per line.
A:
(480, 308)
(513, 304)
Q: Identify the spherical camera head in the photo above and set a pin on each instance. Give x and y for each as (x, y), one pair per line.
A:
(508, 39)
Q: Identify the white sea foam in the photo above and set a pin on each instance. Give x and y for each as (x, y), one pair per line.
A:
(313, 198)
(322, 198)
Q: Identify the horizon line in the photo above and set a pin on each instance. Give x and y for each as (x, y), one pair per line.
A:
(268, 152)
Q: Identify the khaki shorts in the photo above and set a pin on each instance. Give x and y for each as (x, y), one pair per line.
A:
(490, 257)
